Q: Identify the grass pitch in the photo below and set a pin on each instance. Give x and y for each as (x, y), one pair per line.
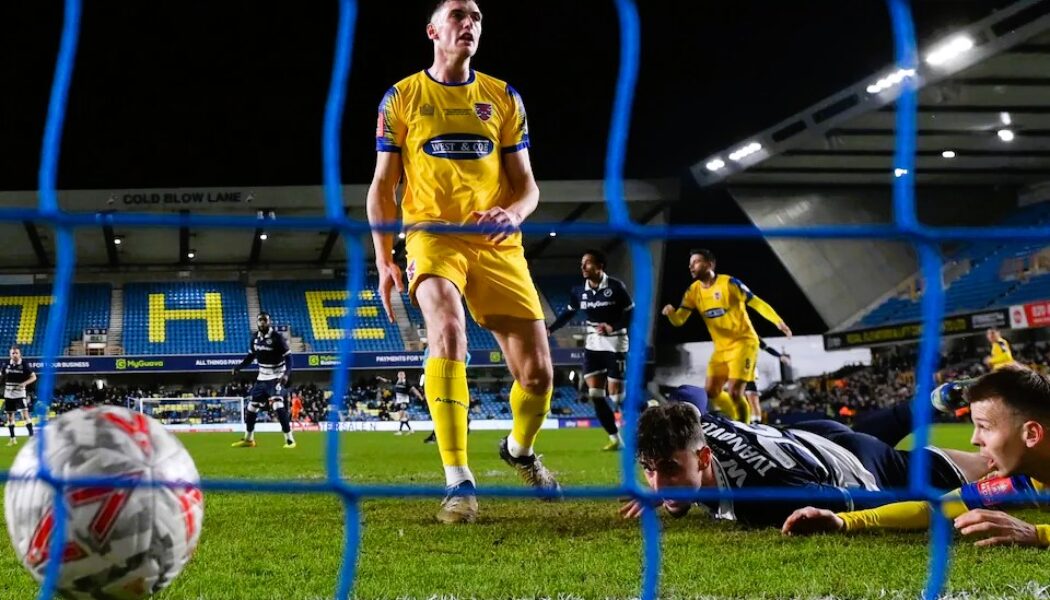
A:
(288, 547)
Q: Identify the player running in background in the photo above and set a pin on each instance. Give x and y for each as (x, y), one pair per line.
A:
(1010, 408)
(1001, 354)
(460, 140)
(403, 393)
(17, 376)
(722, 301)
(270, 392)
(608, 306)
(679, 448)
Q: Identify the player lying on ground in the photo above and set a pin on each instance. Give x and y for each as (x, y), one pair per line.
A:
(680, 448)
(460, 140)
(1010, 408)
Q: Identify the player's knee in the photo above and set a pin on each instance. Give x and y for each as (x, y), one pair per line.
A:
(536, 377)
(595, 393)
(448, 338)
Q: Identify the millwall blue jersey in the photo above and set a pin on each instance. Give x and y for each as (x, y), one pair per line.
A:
(270, 351)
(760, 456)
(610, 303)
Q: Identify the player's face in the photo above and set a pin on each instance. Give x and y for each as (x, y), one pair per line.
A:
(992, 335)
(401, 375)
(590, 268)
(998, 433)
(699, 266)
(16, 354)
(683, 469)
(456, 28)
(264, 323)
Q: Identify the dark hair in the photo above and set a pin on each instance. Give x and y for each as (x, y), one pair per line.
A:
(263, 313)
(597, 255)
(15, 347)
(707, 254)
(1021, 389)
(438, 6)
(666, 429)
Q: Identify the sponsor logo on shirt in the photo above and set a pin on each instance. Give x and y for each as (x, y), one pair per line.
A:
(459, 146)
(713, 313)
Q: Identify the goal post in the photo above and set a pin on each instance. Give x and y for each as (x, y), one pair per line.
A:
(225, 413)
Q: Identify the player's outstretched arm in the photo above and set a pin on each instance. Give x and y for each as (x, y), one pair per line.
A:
(244, 363)
(677, 316)
(382, 210)
(760, 306)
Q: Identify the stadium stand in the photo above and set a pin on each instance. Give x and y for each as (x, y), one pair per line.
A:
(24, 310)
(313, 308)
(185, 318)
(478, 338)
(995, 277)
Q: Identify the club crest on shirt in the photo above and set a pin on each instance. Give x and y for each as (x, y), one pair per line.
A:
(718, 295)
(483, 110)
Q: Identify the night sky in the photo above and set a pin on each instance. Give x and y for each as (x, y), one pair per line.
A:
(232, 93)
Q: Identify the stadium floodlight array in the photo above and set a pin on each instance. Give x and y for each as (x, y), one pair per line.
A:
(905, 228)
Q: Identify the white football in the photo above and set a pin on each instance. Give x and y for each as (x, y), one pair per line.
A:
(121, 543)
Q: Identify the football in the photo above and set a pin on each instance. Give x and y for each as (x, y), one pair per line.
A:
(125, 542)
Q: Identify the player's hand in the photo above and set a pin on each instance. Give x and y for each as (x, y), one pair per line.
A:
(668, 310)
(784, 358)
(996, 528)
(632, 510)
(389, 277)
(498, 222)
(236, 371)
(603, 328)
(809, 520)
(782, 326)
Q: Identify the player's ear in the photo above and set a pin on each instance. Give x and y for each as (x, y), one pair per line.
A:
(703, 457)
(432, 32)
(1034, 433)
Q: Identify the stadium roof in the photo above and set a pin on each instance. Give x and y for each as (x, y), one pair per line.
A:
(29, 247)
(983, 117)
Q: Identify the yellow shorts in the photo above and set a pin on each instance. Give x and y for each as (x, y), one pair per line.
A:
(736, 361)
(494, 280)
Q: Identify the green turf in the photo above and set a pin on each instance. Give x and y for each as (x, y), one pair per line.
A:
(258, 546)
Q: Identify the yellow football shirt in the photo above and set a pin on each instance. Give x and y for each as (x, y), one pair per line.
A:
(1001, 354)
(723, 307)
(451, 138)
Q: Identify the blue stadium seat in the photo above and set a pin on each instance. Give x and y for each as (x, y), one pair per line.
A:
(312, 310)
(88, 309)
(981, 287)
(195, 317)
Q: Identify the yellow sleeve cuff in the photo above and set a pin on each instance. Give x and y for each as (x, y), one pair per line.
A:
(1043, 531)
(761, 307)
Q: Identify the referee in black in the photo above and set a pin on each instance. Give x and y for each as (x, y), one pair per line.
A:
(17, 376)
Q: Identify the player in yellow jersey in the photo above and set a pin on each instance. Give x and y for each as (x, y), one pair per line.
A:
(458, 140)
(722, 301)
(1001, 354)
(1011, 418)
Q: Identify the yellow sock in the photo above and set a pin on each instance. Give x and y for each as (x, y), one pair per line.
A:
(724, 404)
(743, 409)
(529, 411)
(449, 401)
